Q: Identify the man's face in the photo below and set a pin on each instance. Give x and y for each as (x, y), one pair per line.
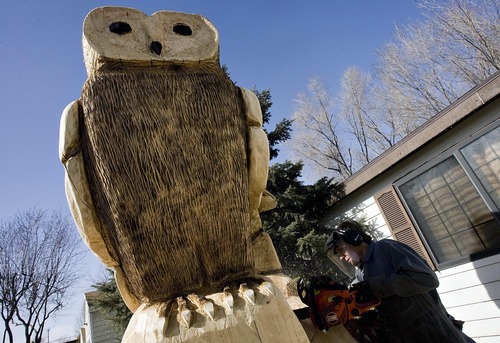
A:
(346, 252)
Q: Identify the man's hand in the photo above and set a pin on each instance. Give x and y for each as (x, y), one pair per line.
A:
(362, 293)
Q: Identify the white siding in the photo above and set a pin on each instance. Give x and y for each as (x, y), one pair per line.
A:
(103, 330)
(98, 326)
(471, 292)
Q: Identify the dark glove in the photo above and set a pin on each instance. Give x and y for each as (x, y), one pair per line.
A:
(362, 293)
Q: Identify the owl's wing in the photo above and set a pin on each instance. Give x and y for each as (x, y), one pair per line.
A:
(267, 202)
(79, 199)
(266, 260)
(258, 169)
(77, 189)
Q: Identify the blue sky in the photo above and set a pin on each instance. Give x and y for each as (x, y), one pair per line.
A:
(264, 43)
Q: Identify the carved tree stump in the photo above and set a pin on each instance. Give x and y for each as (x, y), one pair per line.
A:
(251, 312)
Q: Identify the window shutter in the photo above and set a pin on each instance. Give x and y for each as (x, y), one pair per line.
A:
(399, 222)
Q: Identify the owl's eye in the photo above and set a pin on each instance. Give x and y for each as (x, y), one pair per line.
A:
(120, 28)
(182, 29)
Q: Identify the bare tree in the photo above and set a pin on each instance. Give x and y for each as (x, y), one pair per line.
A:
(340, 135)
(429, 64)
(426, 67)
(317, 131)
(355, 110)
(38, 255)
(372, 127)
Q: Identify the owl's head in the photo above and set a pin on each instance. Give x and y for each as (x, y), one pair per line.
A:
(114, 34)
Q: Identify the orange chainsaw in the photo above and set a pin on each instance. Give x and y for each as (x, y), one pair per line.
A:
(331, 303)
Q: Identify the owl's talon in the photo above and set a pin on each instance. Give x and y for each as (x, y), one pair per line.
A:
(247, 293)
(228, 300)
(266, 288)
(209, 310)
(184, 316)
(205, 307)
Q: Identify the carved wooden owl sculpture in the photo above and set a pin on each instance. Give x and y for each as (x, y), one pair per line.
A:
(166, 159)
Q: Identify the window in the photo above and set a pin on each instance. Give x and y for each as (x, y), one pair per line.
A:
(483, 157)
(455, 203)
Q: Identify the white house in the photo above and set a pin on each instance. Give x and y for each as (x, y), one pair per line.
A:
(438, 190)
(98, 326)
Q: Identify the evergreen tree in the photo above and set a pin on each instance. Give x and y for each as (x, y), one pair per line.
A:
(281, 131)
(110, 301)
(294, 225)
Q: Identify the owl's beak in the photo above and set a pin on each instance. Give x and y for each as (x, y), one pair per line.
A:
(155, 47)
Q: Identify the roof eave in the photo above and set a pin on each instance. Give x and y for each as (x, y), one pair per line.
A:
(464, 106)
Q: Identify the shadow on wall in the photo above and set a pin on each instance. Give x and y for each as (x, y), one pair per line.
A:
(489, 276)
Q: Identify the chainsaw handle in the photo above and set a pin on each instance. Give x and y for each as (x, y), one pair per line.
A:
(303, 291)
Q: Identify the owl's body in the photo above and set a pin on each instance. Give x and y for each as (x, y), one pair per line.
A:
(166, 159)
